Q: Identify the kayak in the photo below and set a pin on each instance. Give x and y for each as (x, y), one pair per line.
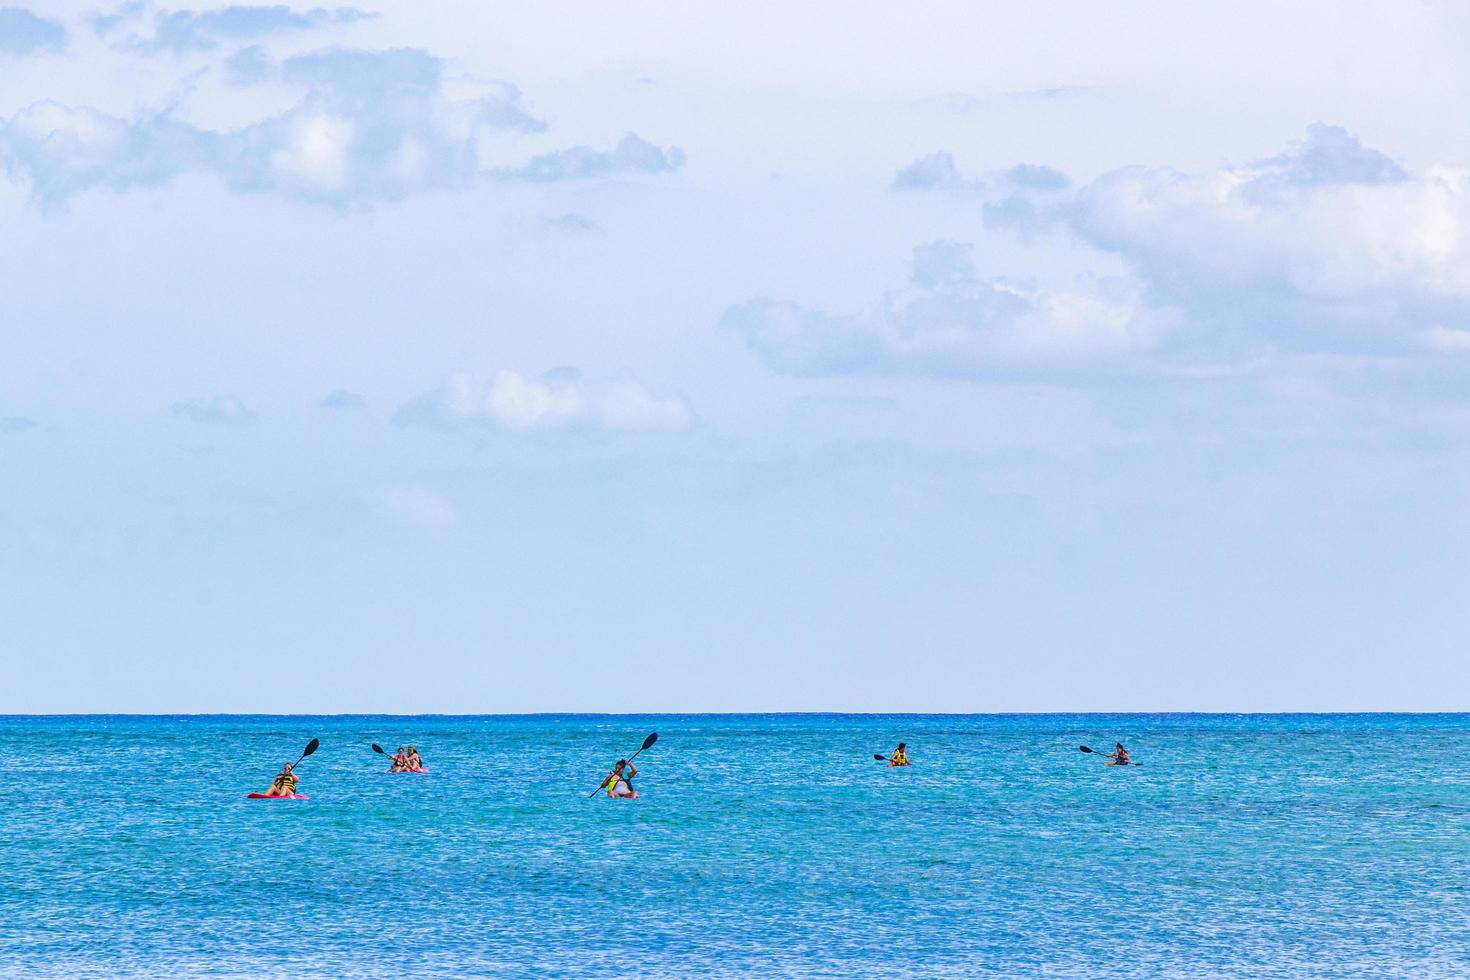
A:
(408, 772)
(262, 796)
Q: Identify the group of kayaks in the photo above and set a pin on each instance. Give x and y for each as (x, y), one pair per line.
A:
(283, 787)
(618, 784)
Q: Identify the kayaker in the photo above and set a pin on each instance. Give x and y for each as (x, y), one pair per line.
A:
(413, 761)
(284, 784)
(619, 782)
(400, 761)
(1119, 756)
(900, 756)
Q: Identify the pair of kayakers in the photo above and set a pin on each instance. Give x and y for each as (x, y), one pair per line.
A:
(406, 760)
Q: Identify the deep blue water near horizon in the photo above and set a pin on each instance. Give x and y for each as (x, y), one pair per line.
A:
(1244, 846)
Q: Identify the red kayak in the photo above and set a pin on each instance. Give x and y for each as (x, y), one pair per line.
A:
(408, 772)
(262, 796)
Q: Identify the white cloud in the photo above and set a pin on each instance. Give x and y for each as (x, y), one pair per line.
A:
(201, 30)
(951, 322)
(1331, 245)
(938, 171)
(371, 125)
(420, 506)
(561, 399)
(631, 155)
(220, 410)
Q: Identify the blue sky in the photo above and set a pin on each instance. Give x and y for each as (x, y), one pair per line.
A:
(477, 357)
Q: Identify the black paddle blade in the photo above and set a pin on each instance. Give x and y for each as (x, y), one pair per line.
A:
(1084, 748)
(378, 749)
(652, 737)
(880, 758)
(310, 748)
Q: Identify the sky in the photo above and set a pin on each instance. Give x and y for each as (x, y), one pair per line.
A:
(491, 357)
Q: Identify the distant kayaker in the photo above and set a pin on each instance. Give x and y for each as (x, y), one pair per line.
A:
(284, 784)
(1119, 756)
(900, 756)
(619, 782)
(412, 761)
(400, 761)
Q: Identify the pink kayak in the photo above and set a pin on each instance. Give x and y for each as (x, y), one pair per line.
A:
(262, 796)
(408, 772)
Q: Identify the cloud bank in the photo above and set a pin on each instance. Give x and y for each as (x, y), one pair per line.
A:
(370, 126)
(560, 400)
(950, 321)
(1328, 247)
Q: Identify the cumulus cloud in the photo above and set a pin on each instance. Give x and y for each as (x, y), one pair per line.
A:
(23, 33)
(949, 321)
(561, 399)
(1329, 244)
(201, 30)
(631, 155)
(372, 125)
(938, 172)
(220, 410)
(421, 506)
(342, 398)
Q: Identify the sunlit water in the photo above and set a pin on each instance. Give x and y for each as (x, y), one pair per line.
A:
(767, 845)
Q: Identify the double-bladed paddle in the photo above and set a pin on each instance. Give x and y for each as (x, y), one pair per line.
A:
(652, 737)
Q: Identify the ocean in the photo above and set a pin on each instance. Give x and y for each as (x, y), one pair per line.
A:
(761, 845)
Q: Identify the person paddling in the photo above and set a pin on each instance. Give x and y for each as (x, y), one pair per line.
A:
(619, 782)
(284, 784)
(1118, 757)
(900, 756)
(399, 761)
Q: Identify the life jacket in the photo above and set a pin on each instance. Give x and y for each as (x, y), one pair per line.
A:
(286, 782)
(614, 781)
(899, 758)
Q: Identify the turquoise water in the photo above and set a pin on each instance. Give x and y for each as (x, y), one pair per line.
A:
(1259, 846)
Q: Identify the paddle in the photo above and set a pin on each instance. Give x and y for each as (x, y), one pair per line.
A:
(880, 758)
(652, 737)
(310, 748)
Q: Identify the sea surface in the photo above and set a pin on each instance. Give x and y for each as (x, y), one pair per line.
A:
(762, 845)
